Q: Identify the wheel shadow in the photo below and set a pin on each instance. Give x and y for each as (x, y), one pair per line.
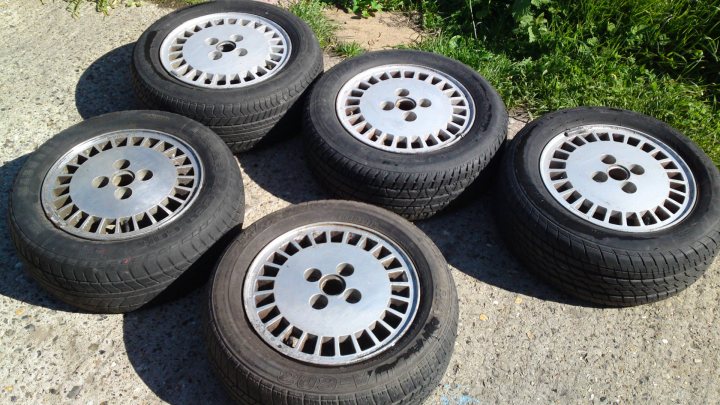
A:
(467, 235)
(166, 347)
(15, 283)
(279, 166)
(105, 86)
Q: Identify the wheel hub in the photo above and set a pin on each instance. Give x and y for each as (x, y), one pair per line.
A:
(225, 50)
(405, 108)
(618, 178)
(331, 293)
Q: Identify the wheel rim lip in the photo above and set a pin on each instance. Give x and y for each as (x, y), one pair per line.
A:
(51, 176)
(456, 134)
(658, 212)
(278, 344)
(172, 37)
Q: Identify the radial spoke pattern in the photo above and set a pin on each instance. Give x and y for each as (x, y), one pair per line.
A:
(580, 192)
(61, 190)
(427, 125)
(225, 50)
(295, 335)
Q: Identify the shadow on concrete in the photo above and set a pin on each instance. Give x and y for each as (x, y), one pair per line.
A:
(166, 347)
(14, 281)
(468, 237)
(105, 86)
(281, 169)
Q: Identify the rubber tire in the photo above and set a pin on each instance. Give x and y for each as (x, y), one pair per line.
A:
(241, 116)
(596, 264)
(415, 186)
(123, 275)
(254, 373)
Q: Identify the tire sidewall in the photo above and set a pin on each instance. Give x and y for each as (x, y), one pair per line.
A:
(247, 348)
(305, 53)
(523, 162)
(120, 256)
(486, 134)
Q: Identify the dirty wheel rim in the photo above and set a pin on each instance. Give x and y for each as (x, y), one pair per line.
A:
(618, 178)
(405, 108)
(331, 293)
(225, 50)
(121, 184)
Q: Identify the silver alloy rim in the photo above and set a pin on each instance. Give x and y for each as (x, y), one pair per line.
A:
(121, 184)
(405, 108)
(331, 293)
(618, 178)
(225, 50)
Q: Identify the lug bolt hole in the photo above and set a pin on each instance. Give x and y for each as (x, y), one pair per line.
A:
(600, 177)
(144, 174)
(618, 173)
(425, 103)
(100, 182)
(608, 159)
(345, 269)
(406, 104)
(318, 301)
(352, 296)
(242, 52)
(123, 193)
(312, 275)
(629, 187)
(122, 179)
(211, 41)
(410, 116)
(215, 55)
(226, 46)
(332, 285)
(236, 38)
(387, 106)
(121, 164)
(402, 92)
(637, 169)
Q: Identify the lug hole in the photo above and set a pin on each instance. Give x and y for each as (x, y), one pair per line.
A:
(100, 182)
(242, 52)
(212, 41)
(122, 179)
(352, 296)
(424, 103)
(387, 106)
(637, 169)
(609, 159)
(215, 55)
(629, 187)
(402, 92)
(312, 275)
(318, 301)
(345, 269)
(410, 116)
(144, 174)
(600, 177)
(121, 164)
(123, 193)
(236, 38)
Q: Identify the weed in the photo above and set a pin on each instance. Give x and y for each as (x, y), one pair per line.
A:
(348, 49)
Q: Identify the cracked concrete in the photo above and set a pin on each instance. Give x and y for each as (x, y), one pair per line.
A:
(519, 341)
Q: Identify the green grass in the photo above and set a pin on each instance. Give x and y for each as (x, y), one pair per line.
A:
(348, 49)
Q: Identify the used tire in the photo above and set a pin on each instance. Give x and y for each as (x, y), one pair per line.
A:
(110, 212)
(609, 205)
(331, 302)
(405, 130)
(236, 66)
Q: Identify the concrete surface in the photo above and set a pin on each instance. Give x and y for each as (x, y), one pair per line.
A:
(519, 340)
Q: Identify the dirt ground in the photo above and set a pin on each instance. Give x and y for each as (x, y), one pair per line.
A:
(384, 31)
(519, 341)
